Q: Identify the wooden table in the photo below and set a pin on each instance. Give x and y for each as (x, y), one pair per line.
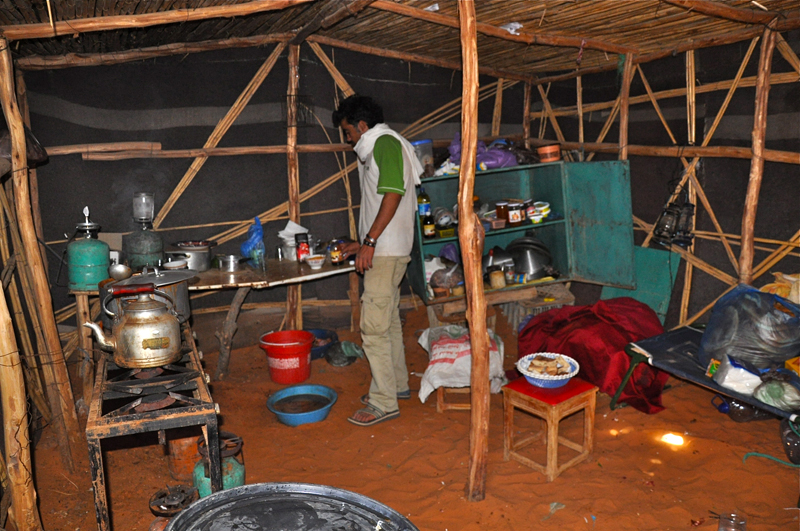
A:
(277, 273)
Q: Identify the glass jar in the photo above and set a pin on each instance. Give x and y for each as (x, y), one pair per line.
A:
(515, 215)
(501, 209)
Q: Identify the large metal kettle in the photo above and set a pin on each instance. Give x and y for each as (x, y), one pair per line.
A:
(147, 334)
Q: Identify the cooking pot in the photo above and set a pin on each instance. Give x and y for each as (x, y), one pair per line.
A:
(531, 257)
(198, 252)
(174, 283)
(147, 334)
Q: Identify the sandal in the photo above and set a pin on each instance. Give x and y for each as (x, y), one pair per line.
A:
(402, 395)
(371, 415)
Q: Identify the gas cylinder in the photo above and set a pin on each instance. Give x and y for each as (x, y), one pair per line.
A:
(87, 257)
(143, 248)
(230, 452)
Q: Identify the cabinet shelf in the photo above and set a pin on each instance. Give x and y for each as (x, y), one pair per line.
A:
(592, 242)
(494, 232)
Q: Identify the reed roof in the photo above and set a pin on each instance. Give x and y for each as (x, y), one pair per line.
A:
(556, 37)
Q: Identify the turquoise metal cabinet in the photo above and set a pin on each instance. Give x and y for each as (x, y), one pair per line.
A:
(591, 242)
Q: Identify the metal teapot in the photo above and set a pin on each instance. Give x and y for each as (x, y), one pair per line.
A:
(147, 334)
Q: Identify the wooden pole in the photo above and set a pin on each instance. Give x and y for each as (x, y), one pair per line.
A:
(220, 130)
(24, 511)
(75, 26)
(526, 115)
(62, 404)
(294, 305)
(22, 100)
(497, 114)
(691, 128)
(470, 236)
(624, 106)
(757, 162)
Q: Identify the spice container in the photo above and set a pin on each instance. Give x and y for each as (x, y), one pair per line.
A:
(337, 256)
(303, 249)
(501, 208)
(515, 215)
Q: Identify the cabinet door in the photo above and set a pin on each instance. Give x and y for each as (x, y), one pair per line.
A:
(600, 222)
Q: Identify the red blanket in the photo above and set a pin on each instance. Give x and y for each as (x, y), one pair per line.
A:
(596, 336)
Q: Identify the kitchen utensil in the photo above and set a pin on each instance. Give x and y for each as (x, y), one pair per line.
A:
(546, 380)
(147, 334)
(302, 404)
(316, 261)
(229, 262)
(174, 283)
(199, 253)
(530, 257)
(119, 271)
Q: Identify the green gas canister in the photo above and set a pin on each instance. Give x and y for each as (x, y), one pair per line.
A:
(87, 257)
(230, 453)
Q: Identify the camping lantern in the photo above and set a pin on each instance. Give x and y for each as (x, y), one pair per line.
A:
(683, 232)
(667, 223)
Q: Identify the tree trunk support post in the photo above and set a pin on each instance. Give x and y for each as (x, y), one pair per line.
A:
(294, 304)
(226, 333)
(62, 402)
(470, 236)
(757, 162)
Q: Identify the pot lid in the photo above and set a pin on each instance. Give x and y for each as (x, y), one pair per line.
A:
(195, 245)
(159, 277)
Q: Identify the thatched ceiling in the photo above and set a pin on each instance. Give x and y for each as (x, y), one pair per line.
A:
(556, 37)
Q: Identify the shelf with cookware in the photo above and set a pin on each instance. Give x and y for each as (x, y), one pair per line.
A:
(586, 236)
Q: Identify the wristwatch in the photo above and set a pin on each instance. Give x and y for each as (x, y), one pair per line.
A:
(370, 241)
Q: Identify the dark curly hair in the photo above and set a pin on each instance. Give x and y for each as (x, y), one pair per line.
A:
(357, 108)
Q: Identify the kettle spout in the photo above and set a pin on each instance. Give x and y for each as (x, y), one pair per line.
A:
(105, 342)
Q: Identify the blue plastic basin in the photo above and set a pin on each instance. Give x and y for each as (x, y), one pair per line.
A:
(296, 419)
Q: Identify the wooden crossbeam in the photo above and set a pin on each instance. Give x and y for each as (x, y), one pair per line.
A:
(721, 10)
(145, 20)
(542, 39)
(220, 130)
(52, 62)
(335, 11)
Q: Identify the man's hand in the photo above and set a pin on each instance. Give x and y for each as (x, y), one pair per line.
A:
(364, 258)
(362, 254)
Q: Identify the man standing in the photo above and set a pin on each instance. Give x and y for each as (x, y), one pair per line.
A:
(388, 170)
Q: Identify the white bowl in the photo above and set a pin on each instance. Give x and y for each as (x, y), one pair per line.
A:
(315, 261)
(545, 380)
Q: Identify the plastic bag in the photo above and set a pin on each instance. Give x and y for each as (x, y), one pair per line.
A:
(759, 328)
(780, 390)
(253, 247)
(738, 376)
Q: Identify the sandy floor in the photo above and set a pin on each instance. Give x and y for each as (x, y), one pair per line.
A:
(418, 463)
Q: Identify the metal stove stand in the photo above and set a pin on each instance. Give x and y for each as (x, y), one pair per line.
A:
(124, 403)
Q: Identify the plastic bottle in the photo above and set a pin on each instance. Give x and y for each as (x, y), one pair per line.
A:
(423, 203)
(791, 441)
(741, 412)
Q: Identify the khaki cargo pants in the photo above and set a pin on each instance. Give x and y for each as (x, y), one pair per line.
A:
(382, 332)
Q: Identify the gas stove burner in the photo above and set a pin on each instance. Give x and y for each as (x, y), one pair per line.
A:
(143, 374)
(154, 402)
(172, 500)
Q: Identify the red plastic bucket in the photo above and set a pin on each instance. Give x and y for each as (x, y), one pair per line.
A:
(289, 355)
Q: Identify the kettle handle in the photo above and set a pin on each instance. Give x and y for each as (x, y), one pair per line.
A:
(133, 289)
(130, 289)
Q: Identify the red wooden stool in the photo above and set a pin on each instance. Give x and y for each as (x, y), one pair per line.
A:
(551, 405)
